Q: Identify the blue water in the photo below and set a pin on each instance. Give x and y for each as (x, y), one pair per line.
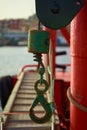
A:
(13, 58)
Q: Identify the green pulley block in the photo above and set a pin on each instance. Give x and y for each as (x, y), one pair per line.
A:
(38, 41)
(56, 14)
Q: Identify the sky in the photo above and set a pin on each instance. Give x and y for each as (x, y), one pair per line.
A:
(16, 8)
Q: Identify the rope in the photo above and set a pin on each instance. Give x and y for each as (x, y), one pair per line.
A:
(51, 81)
(52, 104)
(81, 107)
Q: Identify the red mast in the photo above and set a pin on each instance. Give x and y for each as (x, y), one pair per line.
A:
(78, 91)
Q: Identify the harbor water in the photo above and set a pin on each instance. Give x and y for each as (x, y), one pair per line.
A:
(13, 58)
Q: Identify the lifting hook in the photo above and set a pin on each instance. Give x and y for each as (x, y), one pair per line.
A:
(41, 99)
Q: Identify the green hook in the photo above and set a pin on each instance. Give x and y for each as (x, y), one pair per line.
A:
(48, 112)
(41, 99)
(41, 72)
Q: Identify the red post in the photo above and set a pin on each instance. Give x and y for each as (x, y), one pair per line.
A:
(66, 34)
(78, 117)
(53, 44)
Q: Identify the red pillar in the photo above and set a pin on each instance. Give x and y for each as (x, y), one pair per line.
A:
(78, 117)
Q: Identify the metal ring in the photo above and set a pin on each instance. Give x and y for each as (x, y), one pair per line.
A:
(39, 91)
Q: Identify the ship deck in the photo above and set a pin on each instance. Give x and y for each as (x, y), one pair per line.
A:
(16, 112)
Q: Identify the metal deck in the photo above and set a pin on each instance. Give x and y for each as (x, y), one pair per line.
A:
(16, 112)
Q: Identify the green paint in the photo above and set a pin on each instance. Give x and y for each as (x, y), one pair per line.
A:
(38, 41)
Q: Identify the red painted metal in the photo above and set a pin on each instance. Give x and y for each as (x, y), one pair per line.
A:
(78, 118)
(53, 45)
(27, 66)
(62, 82)
(14, 80)
(66, 34)
(62, 103)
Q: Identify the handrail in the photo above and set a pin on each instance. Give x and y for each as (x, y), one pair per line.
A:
(27, 66)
